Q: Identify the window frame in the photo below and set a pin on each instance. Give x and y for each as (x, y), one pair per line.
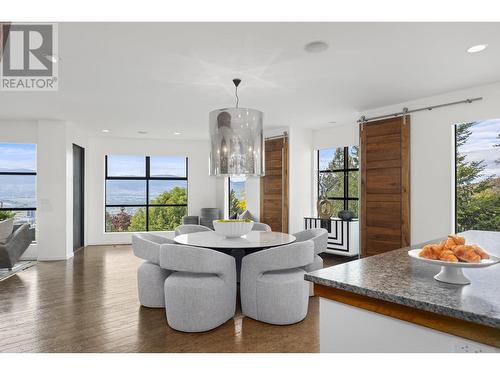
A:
(345, 170)
(21, 174)
(147, 178)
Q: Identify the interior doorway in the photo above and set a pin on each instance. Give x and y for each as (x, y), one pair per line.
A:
(78, 196)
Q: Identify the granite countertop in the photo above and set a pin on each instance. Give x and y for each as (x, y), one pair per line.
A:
(395, 277)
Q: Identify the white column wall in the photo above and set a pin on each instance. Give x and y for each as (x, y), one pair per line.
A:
(54, 183)
(252, 192)
(300, 176)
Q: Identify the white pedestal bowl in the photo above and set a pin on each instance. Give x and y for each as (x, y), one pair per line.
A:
(451, 272)
(232, 229)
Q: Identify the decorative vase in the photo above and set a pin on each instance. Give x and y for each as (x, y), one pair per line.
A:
(346, 215)
(324, 207)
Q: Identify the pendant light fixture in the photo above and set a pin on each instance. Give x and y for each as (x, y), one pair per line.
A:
(236, 139)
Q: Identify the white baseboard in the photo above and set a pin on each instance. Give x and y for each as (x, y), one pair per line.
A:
(50, 259)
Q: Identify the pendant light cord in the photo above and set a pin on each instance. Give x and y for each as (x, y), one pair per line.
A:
(236, 82)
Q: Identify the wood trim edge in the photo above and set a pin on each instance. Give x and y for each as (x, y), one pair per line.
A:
(362, 190)
(405, 182)
(4, 34)
(461, 328)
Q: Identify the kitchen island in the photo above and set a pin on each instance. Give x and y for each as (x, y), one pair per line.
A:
(391, 303)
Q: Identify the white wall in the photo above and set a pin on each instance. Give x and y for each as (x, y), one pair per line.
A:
(432, 153)
(300, 176)
(54, 238)
(336, 136)
(252, 194)
(201, 186)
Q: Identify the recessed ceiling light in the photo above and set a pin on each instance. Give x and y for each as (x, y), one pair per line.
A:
(477, 48)
(105, 130)
(316, 46)
(177, 133)
(142, 132)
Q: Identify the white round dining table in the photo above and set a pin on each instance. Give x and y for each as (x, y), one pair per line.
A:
(254, 240)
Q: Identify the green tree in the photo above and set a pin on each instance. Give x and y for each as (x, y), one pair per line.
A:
(332, 183)
(235, 205)
(162, 218)
(477, 204)
(118, 222)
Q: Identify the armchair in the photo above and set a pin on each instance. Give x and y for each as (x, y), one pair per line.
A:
(320, 238)
(150, 276)
(201, 291)
(272, 286)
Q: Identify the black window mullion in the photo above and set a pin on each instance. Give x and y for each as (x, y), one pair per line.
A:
(147, 179)
(346, 179)
(148, 174)
(18, 174)
(319, 174)
(17, 208)
(345, 170)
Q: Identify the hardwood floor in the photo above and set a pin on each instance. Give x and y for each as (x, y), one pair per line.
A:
(89, 304)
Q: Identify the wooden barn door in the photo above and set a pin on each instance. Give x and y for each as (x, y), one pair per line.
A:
(385, 185)
(274, 185)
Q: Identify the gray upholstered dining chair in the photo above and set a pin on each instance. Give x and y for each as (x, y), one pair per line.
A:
(200, 294)
(190, 228)
(272, 285)
(150, 276)
(320, 238)
(261, 227)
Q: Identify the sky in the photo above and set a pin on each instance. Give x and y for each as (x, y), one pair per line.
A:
(326, 156)
(479, 146)
(17, 157)
(238, 184)
(125, 165)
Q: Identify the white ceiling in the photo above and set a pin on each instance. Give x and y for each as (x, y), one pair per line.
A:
(166, 77)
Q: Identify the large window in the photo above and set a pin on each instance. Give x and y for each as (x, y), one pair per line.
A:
(237, 196)
(18, 181)
(145, 193)
(477, 184)
(338, 175)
